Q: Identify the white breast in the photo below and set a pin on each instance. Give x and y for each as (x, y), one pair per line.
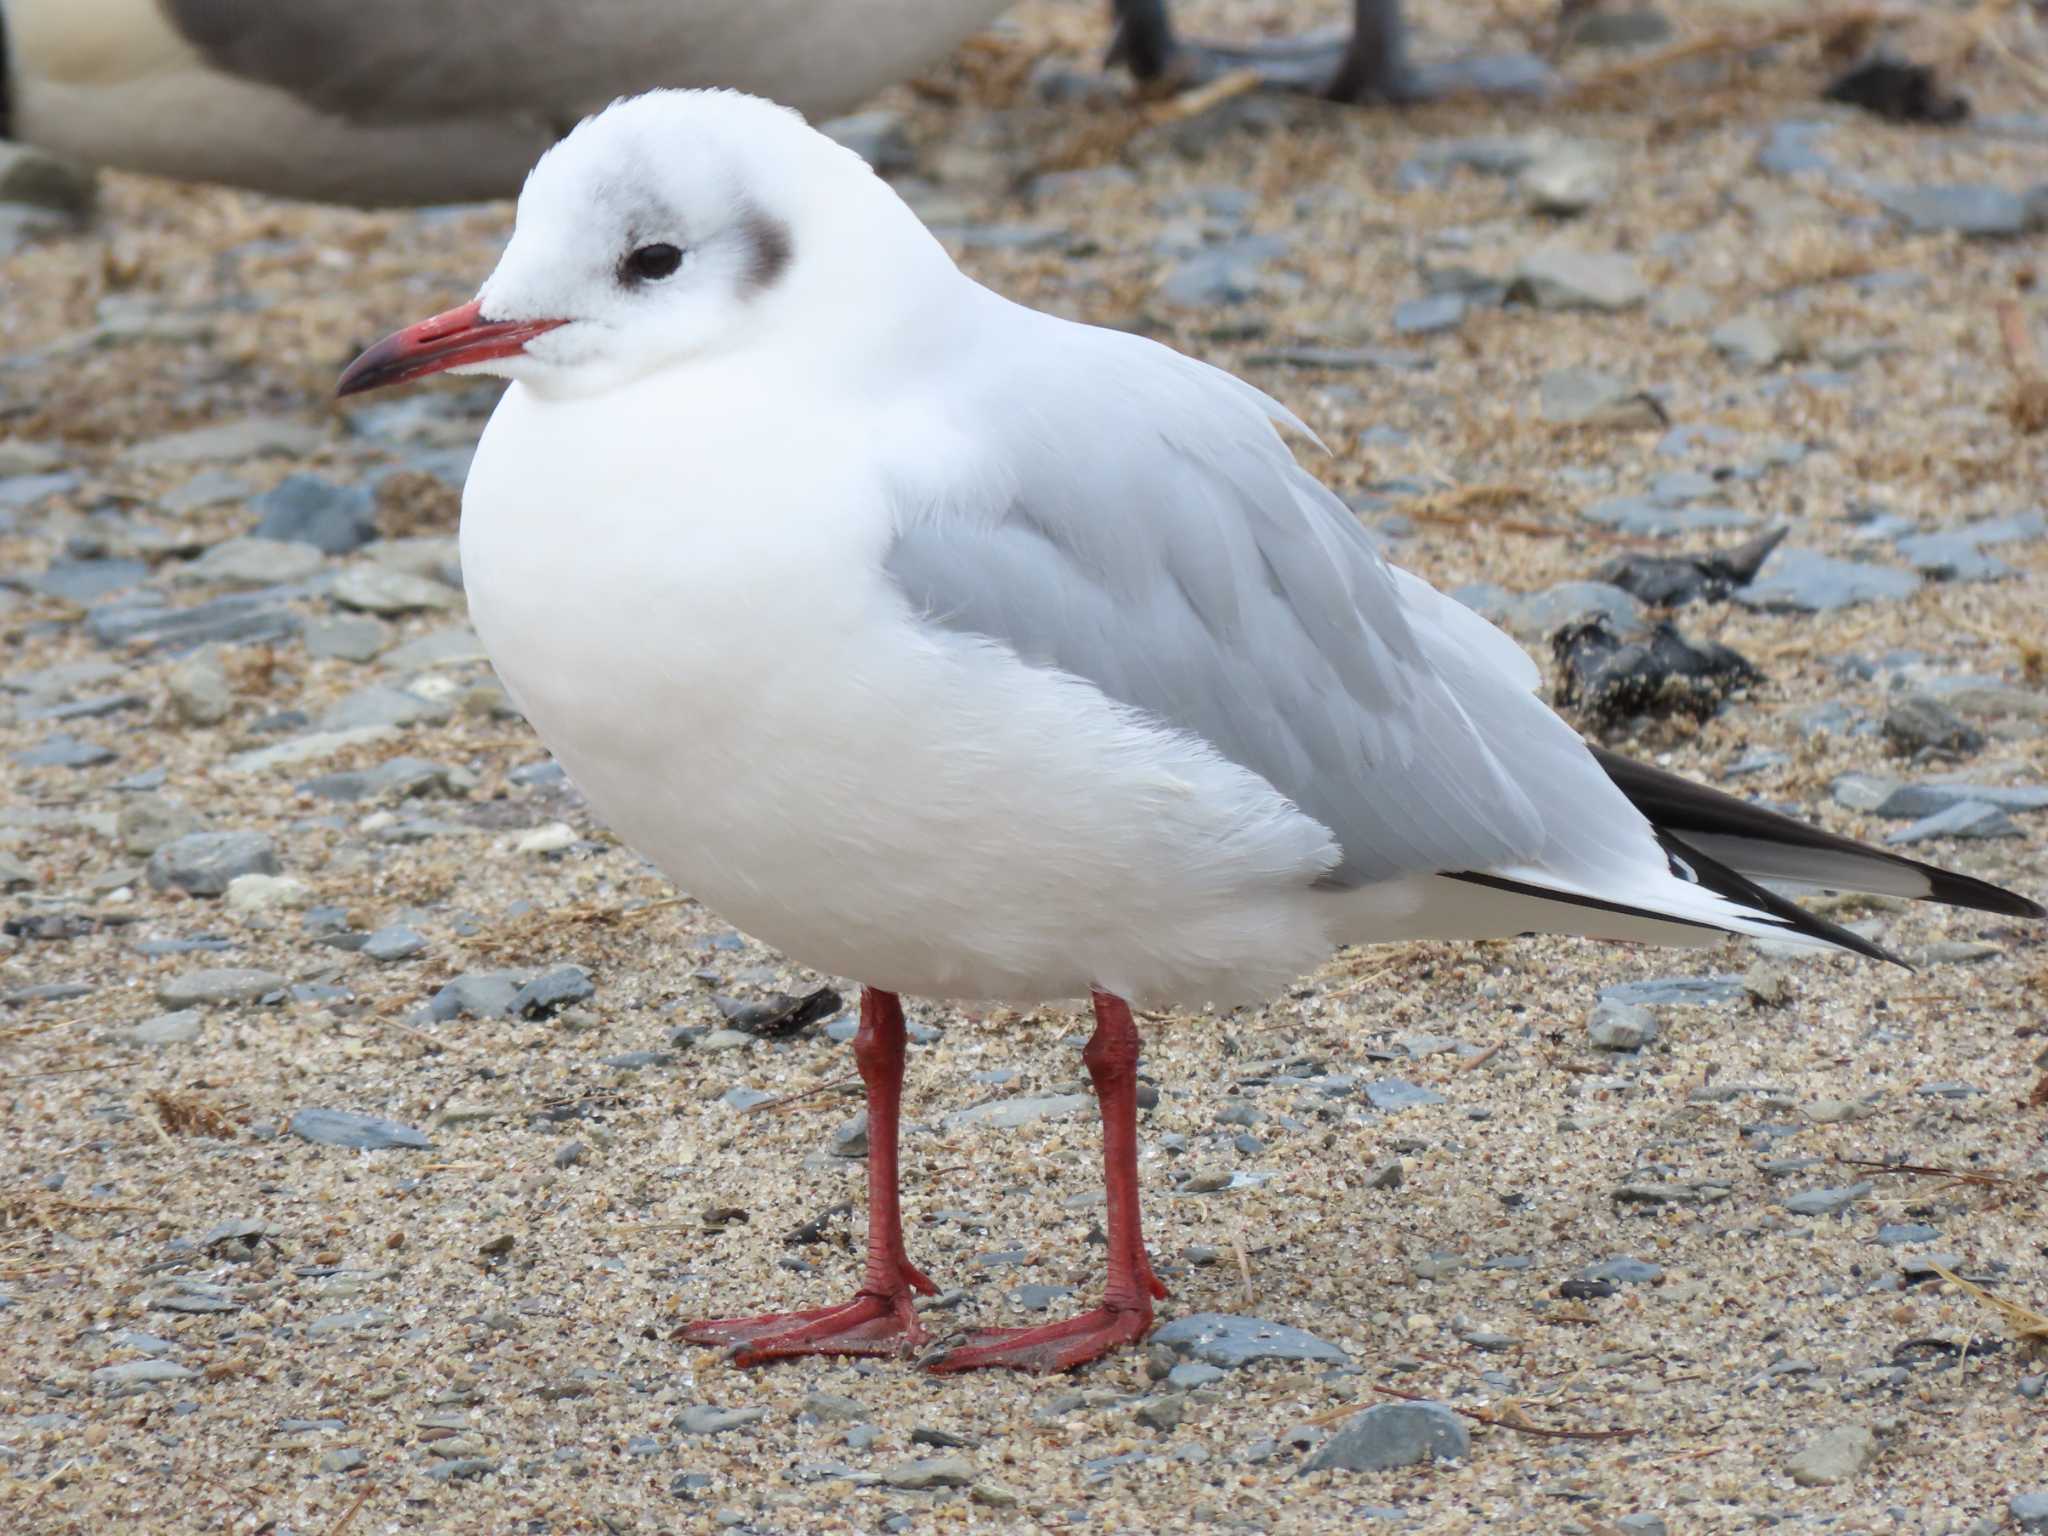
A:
(708, 643)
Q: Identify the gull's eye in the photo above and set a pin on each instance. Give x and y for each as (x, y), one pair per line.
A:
(650, 264)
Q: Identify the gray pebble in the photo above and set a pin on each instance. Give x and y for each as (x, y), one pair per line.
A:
(1616, 1026)
(1836, 1456)
(1967, 819)
(1806, 581)
(1229, 273)
(146, 624)
(346, 1128)
(247, 564)
(214, 986)
(832, 1408)
(379, 589)
(180, 1028)
(199, 691)
(132, 1375)
(228, 442)
(1826, 1202)
(1008, 1114)
(851, 1139)
(1921, 722)
(381, 704)
(1396, 1093)
(307, 510)
(1893, 1233)
(344, 1460)
(1227, 1341)
(63, 751)
(704, 1419)
(397, 942)
(477, 995)
(1561, 277)
(1392, 1435)
(346, 637)
(1623, 1271)
(1430, 315)
(569, 1154)
(2029, 1511)
(932, 1472)
(1588, 397)
(549, 993)
(1963, 208)
(204, 863)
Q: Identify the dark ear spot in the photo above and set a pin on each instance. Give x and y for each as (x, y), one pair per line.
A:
(768, 251)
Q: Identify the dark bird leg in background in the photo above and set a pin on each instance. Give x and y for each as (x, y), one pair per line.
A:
(881, 1319)
(1125, 1315)
(1370, 65)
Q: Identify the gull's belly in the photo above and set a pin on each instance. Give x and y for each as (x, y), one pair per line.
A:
(902, 807)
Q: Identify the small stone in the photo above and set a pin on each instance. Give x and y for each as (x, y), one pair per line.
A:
(1806, 581)
(394, 943)
(346, 637)
(135, 1374)
(64, 751)
(851, 1139)
(931, 1472)
(1587, 397)
(1427, 316)
(380, 704)
(1164, 1412)
(216, 986)
(1921, 722)
(1560, 277)
(1751, 341)
(1386, 1175)
(1826, 1202)
(145, 624)
(199, 691)
(310, 512)
(1394, 1093)
(477, 995)
(1392, 1435)
(203, 863)
(1835, 1457)
(373, 588)
(1681, 307)
(1230, 273)
(1229, 1342)
(832, 1408)
(346, 1128)
(249, 564)
(2029, 1511)
(267, 893)
(1968, 818)
(344, 1460)
(549, 993)
(703, 1419)
(180, 1028)
(1569, 179)
(555, 837)
(147, 822)
(1894, 1233)
(994, 1496)
(1966, 209)
(1620, 1027)
(1838, 1111)
(1623, 1270)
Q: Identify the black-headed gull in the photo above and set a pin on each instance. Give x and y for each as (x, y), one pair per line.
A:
(976, 653)
(382, 102)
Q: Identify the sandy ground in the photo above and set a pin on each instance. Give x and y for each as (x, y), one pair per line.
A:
(494, 1307)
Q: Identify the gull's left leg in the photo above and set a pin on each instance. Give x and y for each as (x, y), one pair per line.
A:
(1126, 1311)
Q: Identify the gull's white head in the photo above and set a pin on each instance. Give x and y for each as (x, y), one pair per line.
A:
(668, 227)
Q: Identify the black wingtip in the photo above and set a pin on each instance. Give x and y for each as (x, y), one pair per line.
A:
(1743, 891)
(1673, 803)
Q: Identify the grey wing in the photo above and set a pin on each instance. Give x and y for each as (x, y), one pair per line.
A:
(1141, 525)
